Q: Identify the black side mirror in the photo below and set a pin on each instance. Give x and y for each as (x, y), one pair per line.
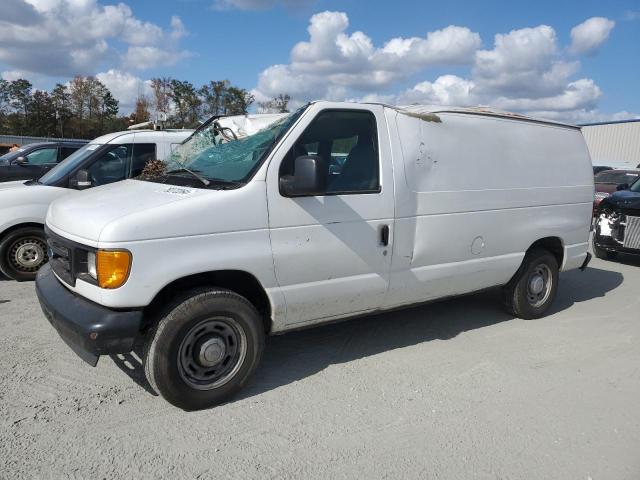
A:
(309, 178)
(81, 181)
(21, 161)
(622, 186)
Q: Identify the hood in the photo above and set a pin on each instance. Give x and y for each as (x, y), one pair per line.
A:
(16, 194)
(623, 199)
(135, 210)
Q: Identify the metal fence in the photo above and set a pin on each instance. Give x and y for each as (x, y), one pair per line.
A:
(23, 140)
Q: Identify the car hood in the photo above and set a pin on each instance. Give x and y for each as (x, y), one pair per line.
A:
(16, 194)
(623, 199)
(135, 210)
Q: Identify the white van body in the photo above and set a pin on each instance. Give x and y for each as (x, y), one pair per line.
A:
(451, 201)
(465, 198)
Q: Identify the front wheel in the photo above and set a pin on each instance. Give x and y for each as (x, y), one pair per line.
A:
(204, 349)
(533, 288)
(22, 253)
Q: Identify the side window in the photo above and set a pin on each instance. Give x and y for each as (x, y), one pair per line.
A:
(43, 156)
(66, 151)
(347, 142)
(111, 166)
(142, 153)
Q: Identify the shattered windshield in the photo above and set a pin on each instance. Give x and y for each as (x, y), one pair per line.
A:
(219, 154)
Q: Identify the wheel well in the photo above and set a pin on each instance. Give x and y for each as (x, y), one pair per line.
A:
(553, 245)
(13, 228)
(237, 281)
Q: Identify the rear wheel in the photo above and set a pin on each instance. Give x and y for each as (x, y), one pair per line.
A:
(204, 349)
(533, 288)
(22, 253)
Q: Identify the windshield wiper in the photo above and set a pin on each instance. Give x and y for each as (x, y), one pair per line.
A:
(204, 181)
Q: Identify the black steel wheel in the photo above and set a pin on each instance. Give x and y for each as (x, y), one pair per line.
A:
(204, 348)
(533, 288)
(22, 253)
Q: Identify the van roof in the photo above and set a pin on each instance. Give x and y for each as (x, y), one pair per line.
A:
(175, 135)
(483, 111)
(430, 112)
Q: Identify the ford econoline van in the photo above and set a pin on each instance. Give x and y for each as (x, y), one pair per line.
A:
(107, 159)
(334, 211)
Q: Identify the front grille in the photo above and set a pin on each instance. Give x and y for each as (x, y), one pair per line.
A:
(61, 258)
(632, 233)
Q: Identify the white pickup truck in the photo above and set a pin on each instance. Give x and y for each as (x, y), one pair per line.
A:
(334, 211)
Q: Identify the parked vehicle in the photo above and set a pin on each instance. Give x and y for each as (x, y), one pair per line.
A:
(32, 161)
(600, 168)
(609, 181)
(23, 205)
(428, 204)
(617, 226)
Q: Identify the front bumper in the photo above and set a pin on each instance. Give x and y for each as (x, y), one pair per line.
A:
(610, 245)
(89, 329)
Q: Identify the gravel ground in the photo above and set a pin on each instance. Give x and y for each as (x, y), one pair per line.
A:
(454, 390)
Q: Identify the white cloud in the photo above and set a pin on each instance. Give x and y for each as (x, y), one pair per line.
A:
(142, 58)
(333, 63)
(260, 4)
(589, 36)
(69, 37)
(125, 87)
(526, 70)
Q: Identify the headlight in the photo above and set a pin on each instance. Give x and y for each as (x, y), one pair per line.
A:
(91, 264)
(111, 267)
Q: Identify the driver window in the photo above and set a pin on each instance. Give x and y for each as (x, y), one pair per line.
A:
(347, 142)
(111, 166)
(43, 156)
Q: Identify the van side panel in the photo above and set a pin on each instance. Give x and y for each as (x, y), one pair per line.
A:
(474, 193)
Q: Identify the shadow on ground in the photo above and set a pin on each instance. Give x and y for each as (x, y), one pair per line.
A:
(297, 355)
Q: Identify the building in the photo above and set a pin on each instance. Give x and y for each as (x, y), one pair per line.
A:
(615, 144)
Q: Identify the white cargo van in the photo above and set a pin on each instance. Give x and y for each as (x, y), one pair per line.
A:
(107, 159)
(278, 230)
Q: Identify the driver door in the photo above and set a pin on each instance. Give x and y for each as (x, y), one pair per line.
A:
(332, 252)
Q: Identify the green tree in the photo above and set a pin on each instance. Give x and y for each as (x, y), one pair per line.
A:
(279, 104)
(237, 101)
(41, 118)
(214, 96)
(186, 104)
(62, 105)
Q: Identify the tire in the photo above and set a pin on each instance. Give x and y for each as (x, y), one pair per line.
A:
(602, 253)
(524, 296)
(22, 253)
(204, 349)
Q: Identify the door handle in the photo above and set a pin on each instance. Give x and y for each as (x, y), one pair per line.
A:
(384, 235)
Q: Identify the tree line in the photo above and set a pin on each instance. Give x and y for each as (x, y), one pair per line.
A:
(85, 108)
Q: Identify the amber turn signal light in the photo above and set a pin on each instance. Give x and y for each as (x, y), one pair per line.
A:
(112, 268)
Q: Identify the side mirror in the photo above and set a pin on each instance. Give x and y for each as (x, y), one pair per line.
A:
(21, 161)
(622, 186)
(308, 179)
(81, 181)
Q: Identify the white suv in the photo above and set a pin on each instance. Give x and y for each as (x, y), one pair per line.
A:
(107, 159)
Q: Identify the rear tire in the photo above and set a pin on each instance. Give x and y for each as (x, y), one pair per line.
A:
(204, 349)
(533, 288)
(22, 253)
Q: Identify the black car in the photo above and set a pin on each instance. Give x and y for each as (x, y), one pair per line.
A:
(33, 160)
(618, 223)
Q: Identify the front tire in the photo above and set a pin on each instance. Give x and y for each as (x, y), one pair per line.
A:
(204, 349)
(22, 253)
(533, 288)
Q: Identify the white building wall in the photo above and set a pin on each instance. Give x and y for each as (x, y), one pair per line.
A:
(614, 144)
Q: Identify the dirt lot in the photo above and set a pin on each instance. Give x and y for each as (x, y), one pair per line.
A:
(454, 390)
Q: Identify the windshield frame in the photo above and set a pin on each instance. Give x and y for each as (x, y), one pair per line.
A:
(293, 120)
